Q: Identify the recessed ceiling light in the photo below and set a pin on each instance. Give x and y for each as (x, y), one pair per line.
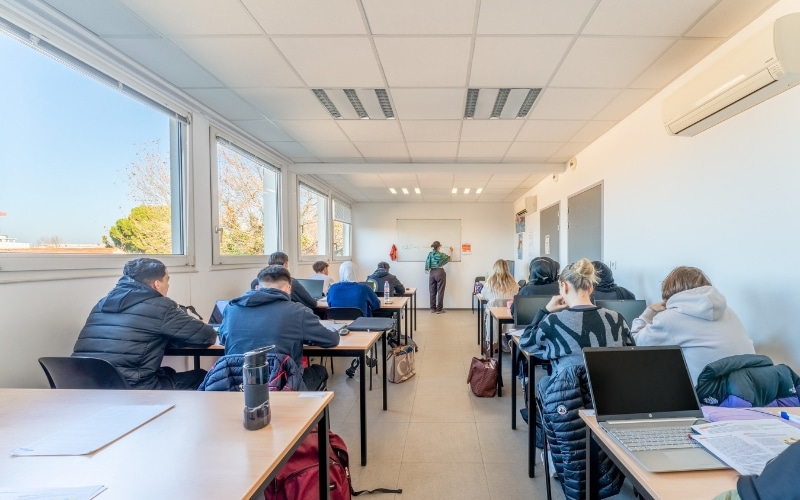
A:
(528, 103)
(356, 102)
(469, 107)
(455, 190)
(416, 190)
(500, 102)
(393, 190)
(466, 190)
(385, 103)
(405, 191)
(326, 101)
(479, 191)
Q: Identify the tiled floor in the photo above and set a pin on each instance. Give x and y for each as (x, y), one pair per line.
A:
(437, 440)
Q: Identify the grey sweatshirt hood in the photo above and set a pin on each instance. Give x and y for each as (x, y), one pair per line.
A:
(703, 302)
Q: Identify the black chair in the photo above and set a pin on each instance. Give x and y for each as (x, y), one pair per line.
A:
(472, 299)
(81, 373)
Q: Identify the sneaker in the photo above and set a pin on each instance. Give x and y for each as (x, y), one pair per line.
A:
(433, 311)
(524, 414)
(441, 312)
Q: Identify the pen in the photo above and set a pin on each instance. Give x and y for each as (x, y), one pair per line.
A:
(790, 418)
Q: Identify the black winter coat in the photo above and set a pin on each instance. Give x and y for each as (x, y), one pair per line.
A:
(382, 275)
(563, 394)
(748, 380)
(133, 325)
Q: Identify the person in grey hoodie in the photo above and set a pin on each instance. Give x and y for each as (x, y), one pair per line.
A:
(695, 316)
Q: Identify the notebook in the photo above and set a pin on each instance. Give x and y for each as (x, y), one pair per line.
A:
(647, 388)
(314, 287)
(216, 315)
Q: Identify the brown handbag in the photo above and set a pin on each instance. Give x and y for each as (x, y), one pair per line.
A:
(482, 378)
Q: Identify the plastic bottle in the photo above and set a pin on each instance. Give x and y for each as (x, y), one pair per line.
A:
(386, 292)
(255, 378)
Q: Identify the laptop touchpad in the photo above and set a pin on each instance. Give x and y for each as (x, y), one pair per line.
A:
(691, 458)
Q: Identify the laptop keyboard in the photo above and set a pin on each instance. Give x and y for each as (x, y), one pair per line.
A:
(655, 438)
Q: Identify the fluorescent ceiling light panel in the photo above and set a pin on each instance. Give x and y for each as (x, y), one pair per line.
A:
(500, 102)
(466, 190)
(325, 100)
(455, 190)
(393, 190)
(479, 191)
(416, 190)
(356, 103)
(405, 191)
(527, 104)
(505, 104)
(472, 100)
(385, 103)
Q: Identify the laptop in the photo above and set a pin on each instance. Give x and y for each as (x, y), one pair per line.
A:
(645, 390)
(526, 307)
(629, 309)
(314, 287)
(216, 315)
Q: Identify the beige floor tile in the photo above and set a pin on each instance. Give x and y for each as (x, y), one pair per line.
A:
(443, 481)
(398, 409)
(385, 441)
(456, 408)
(441, 367)
(378, 475)
(442, 443)
(430, 385)
(501, 444)
(510, 481)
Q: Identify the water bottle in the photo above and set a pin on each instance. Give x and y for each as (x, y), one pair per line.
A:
(255, 375)
(386, 292)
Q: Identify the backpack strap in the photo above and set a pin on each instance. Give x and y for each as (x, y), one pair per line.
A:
(376, 490)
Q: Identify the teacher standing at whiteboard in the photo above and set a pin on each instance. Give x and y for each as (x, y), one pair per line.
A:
(437, 278)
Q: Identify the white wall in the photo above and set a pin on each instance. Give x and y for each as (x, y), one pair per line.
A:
(489, 227)
(725, 200)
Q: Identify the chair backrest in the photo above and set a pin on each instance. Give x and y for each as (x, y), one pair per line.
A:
(75, 372)
(526, 307)
(480, 278)
(629, 309)
(343, 313)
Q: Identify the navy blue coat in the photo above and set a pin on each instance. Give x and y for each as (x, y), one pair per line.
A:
(353, 294)
(133, 325)
(748, 380)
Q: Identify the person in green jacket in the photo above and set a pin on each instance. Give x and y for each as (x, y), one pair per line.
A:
(437, 278)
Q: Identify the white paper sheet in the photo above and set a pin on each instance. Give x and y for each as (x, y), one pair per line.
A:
(94, 432)
(74, 493)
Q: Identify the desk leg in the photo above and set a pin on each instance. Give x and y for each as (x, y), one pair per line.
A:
(531, 422)
(322, 446)
(499, 359)
(480, 322)
(197, 362)
(414, 310)
(383, 341)
(405, 310)
(491, 337)
(514, 373)
(362, 393)
(592, 463)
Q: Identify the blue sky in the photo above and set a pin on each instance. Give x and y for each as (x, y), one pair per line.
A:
(65, 141)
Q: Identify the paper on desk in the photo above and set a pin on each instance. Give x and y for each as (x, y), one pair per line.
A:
(516, 333)
(746, 446)
(74, 493)
(94, 432)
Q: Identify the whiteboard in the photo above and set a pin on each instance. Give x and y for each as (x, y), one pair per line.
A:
(414, 238)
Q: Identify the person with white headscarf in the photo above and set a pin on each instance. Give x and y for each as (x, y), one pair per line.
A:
(350, 293)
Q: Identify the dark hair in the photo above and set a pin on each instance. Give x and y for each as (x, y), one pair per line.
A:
(278, 258)
(319, 266)
(435, 245)
(383, 265)
(681, 279)
(145, 270)
(275, 274)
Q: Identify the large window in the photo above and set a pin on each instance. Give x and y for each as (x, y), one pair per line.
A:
(87, 164)
(342, 227)
(247, 203)
(312, 210)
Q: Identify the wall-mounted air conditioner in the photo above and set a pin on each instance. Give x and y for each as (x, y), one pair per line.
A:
(762, 67)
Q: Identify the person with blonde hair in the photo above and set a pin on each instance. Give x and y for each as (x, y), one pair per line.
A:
(571, 322)
(694, 315)
(499, 288)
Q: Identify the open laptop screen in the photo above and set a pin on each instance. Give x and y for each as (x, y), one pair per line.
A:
(640, 383)
(216, 314)
(314, 287)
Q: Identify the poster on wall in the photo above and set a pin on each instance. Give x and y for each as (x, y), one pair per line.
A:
(519, 222)
(466, 248)
(519, 246)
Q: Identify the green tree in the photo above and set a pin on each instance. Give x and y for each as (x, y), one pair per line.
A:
(241, 203)
(146, 230)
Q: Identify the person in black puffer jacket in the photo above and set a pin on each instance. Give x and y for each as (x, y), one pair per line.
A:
(606, 289)
(382, 275)
(132, 326)
(748, 380)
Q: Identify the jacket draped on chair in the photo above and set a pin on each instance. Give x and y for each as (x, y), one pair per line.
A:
(748, 380)
(226, 374)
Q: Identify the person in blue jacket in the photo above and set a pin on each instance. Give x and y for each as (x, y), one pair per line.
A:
(350, 293)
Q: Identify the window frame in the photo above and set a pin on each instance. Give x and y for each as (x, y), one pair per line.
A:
(327, 223)
(219, 259)
(18, 267)
(334, 257)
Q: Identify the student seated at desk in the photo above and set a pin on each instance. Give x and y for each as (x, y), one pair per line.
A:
(350, 293)
(132, 326)
(320, 268)
(499, 288)
(542, 279)
(267, 316)
(382, 275)
(606, 289)
(299, 293)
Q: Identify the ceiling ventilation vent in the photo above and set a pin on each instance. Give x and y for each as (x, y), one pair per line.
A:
(502, 104)
(356, 104)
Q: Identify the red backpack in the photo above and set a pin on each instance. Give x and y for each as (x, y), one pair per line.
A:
(299, 478)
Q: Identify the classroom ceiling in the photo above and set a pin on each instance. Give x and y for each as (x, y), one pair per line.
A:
(259, 62)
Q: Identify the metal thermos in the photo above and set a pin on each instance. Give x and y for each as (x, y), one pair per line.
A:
(255, 374)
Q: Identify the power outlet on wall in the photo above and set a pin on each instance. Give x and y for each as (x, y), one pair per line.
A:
(612, 264)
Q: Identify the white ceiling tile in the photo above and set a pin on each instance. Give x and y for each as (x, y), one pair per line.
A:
(333, 61)
(290, 104)
(438, 199)
(491, 199)
(608, 62)
(490, 130)
(728, 17)
(424, 62)
(165, 59)
(549, 130)
(431, 130)
(265, 130)
(378, 150)
(437, 181)
(571, 104)
(103, 17)
(533, 150)
(312, 130)
(516, 61)
(241, 61)
(593, 130)
(439, 150)
(226, 102)
(624, 104)
(341, 159)
(532, 17)
(569, 150)
(365, 180)
(427, 191)
(420, 17)
(399, 181)
(494, 191)
(293, 150)
(675, 61)
(196, 17)
(636, 18)
(484, 150)
(372, 130)
(431, 104)
(331, 149)
(307, 17)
